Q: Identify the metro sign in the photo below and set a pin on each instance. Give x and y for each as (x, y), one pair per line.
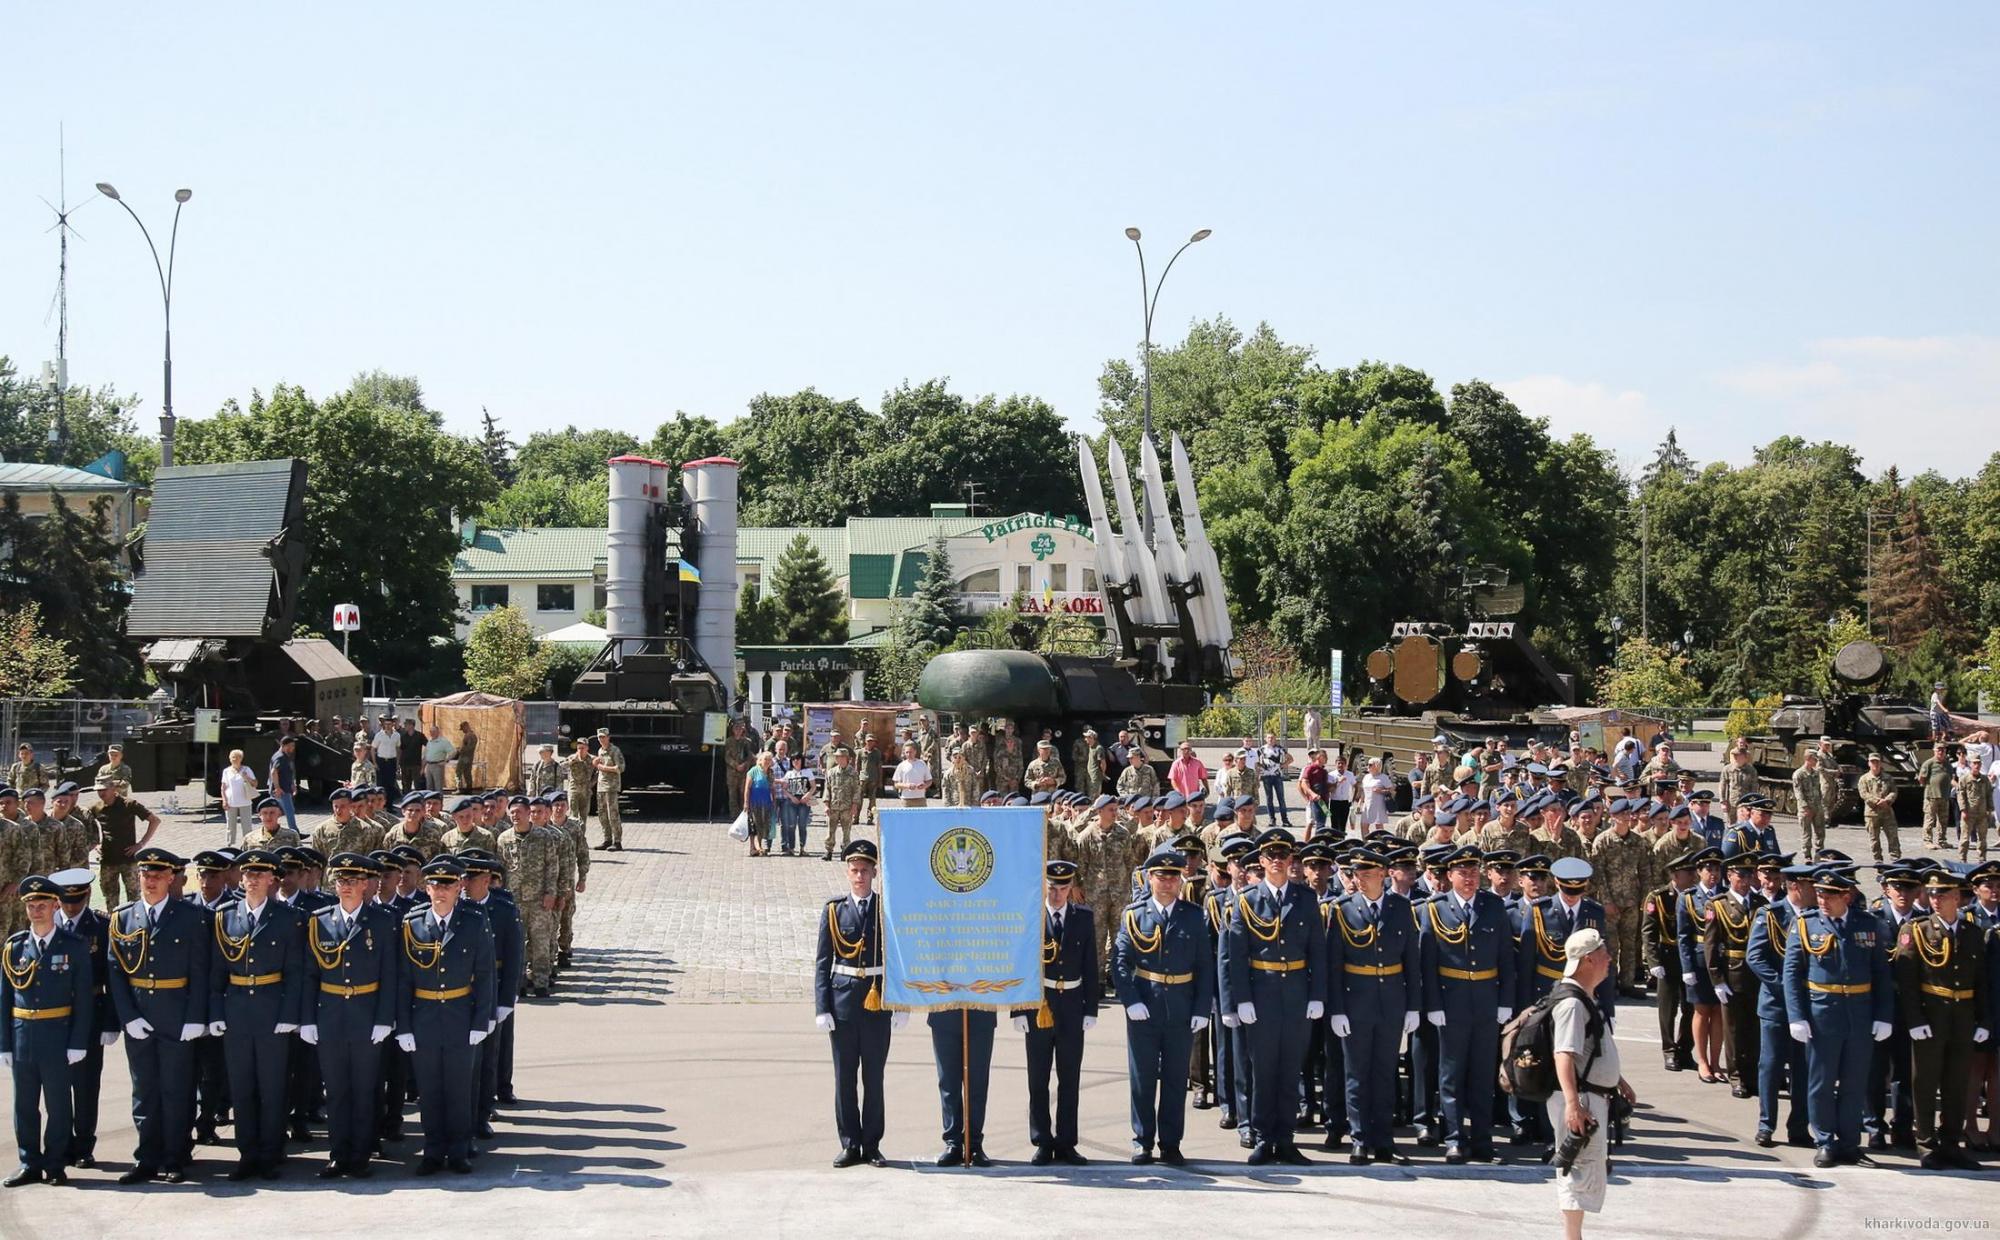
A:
(346, 618)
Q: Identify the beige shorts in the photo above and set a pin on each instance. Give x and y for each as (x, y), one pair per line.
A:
(1582, 1187)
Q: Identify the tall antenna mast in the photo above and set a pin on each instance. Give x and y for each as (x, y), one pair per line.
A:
(56, 374)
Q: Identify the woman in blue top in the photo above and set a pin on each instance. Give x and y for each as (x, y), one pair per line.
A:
(757, 804)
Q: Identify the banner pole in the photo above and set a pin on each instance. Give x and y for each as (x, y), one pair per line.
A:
(965, 1075)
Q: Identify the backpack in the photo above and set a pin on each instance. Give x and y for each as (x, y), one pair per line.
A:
(1527, 1045)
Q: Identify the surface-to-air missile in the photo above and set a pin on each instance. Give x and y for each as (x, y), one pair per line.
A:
(1858, 722)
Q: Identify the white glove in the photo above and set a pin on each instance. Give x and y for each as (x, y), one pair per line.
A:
(1229, 1020)
(77, 1056)
(284, 1028)
(502, 1013)
(408, 1043)
(898, 1020)
(1882, 1030)
(1315, 1010)
(1411, 1020)
(138, 1028)
(190, 1032)
(1979, 1034)
(825, 1022)
(1020, 1024)
(309, 1034)
(476, 1037)
(1920, 1033)
(1090, 1022)
(1137, 1011)
(1198, 1023)
(1505, 1014)
(1723, 992)
(106, 1039)
(1659, 972)
(379, 1034)
(216, 1028)
(1246, 1013)
(1687, 979)
(1436, 1018)
(1801, 1031)
(1341, 1026)
(493, 1024)
(6, 1059)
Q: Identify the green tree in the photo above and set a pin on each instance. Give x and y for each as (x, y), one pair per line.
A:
(33, 661)
(573, 455)
(1646, 675)
(685, 439)
(382, 485)
(503, 657)
(798, 457)
(933, 442)
(759, 619)
(496, 448)
(66, 566)
(811, 609)
(1913, 600)
(1669, 462)
(94, 421)
(544, 501)
(922, 625)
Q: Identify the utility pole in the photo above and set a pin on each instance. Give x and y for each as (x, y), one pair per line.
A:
(1645, 566)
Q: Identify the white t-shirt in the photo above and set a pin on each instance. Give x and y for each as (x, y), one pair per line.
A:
(387, 743)
(913, 771)
(1340, 785)
(1569, 1025)
(239, 786)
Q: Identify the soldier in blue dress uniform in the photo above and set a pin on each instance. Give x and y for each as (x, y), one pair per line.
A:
(86, 1077)
(1273, 980)
(1839, 1001)
(482, 894)
(847, 997)
(257, 994)
(397, 1082)
(1374, 999)
(1325, 1067)
(47, 1012)
(1781, 1061)
(1468, 963)
(350, 1009)
(1158, 972)
(1426, 1101)
(1055, 1029)
(446, 986)
(161, 952)
(1232, 1090)
(216, 875)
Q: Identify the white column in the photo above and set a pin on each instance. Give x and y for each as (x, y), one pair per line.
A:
(857, 688)
(777, 687)
(755, 681)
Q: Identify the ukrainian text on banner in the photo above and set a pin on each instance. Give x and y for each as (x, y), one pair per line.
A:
(962, 907)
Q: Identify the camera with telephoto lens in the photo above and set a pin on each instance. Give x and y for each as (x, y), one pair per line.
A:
(1573, 1143)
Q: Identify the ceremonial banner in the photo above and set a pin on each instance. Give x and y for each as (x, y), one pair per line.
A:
(962, 907)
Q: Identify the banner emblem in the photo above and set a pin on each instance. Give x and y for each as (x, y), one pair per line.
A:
(961, 860)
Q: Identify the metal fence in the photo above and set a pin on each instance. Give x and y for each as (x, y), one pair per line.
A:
(77, 729)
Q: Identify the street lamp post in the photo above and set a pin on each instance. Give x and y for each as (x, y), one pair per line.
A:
(166, 275)
(1149, 300)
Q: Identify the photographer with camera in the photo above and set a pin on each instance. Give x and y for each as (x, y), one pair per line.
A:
(1586, 1059)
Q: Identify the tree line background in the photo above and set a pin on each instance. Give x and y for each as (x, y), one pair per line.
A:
(1340, 500)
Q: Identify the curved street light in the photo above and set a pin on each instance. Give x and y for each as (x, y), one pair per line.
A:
(165, 272)
(1149, 300)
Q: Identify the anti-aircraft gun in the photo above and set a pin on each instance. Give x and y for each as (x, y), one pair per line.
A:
(1859, 723)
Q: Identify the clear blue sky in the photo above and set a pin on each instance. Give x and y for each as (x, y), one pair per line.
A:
(1741, 220)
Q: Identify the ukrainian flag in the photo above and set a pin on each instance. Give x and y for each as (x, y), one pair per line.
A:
(688, 571)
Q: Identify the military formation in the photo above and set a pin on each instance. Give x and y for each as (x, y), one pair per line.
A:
(1361, 984)
(250, 997)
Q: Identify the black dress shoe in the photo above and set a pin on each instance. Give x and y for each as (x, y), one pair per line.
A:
(269, 1171)
(137, 1175)
(1454, 1156)
(484, 1131)
(1331, 1142)
(1141, 1156)
(1878, 1140)
(1859, 1158)
(242, 1171)
(1390, 1154)
(332, 1171)
(509, 1099)
(1043, 1156)
(1261, 1154)
(951, 1157)
(1429, 1137)
(1227, 1120)
(1172, 1156)
(459, 1166)
(1933, 1161)
(26, 1175)
(174, 1175)
(874, 1158)
(1765, 1139)
(979, 1158)
(1674, 1065)
(1072, 1158)
(430, 1166)
(206, 1136)
(301, 1133)
(1959, 1158)
(1358, 1156)
(56, 1178)
(360, 1170)
(849, 1157)
(1824, 1158)
(1245, 1139)
(1903, 1139)
(1738, 1091)
(86, 1161)
(1486, 1154)
(1293, 1156)
(1202, 1102)
(1522, 1135)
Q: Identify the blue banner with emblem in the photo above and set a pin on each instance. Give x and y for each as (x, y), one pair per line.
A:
(962, 907)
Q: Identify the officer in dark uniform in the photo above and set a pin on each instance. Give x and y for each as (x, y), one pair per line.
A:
(1839, 1002)
(1374, 999)
(257, 996)
(398, 1085)
(216, 874)
(1781, 1061)
(847, 998)
(47, 1012)
(1890, 1071)
(1661, 947)
(1157, 971)
(1940, 968)
(1545, 924)
(1469, 963)
(1273, 980)
(1055, 1029)
(446, 986)
(161, 952)
(1725, 960)
(1426, 1104)
(1231, 1092)
(1325, 1071)
(86, 1077)
(503, 916)
(351, 954)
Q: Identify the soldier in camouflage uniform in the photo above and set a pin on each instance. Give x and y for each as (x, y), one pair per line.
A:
(1086, 763)
(362, 772)
(1677, 840)
(737, 754)
(467, 831)
(542, 814)
(28, 773)
(1809, 799)
(958, 785)
(843, 796)
(580, 777)
(1008, 764)
(1975, 809)
(346, 831)
(534, 875)
(1138, 779)
(1830, 780)
(1045, 773)
(1106, 851)
(547, 773)
(75, 832)
(1935, 775)
(610, 781)
(270, 834)
(417, 829)
(1509, 831)
(579, 847)
(1624, 864)
(115, 767)
(870, 762)
(1877, 790)
(1739, 780)
(17, 858)
(1239, 779)
(1553, 838)
(979, 756)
